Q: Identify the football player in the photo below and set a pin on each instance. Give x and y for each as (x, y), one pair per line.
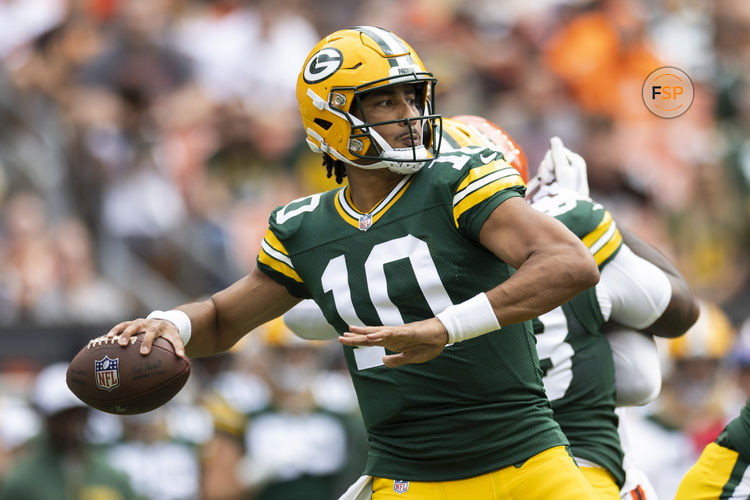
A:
(581, 375)
(722, 469)
(444, 252)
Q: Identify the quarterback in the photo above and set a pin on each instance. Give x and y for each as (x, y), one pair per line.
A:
(443, 259)
(581, 376)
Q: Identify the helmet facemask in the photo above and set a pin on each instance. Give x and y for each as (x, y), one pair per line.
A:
(369, 146)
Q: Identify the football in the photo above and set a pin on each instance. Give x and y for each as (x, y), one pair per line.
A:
(120, 380)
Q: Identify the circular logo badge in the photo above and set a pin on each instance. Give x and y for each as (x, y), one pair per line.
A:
(322, 65)
(668, 92)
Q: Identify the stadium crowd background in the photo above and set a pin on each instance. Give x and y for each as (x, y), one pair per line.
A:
(144, 142)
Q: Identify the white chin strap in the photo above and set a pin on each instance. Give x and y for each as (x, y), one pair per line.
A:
(404, 167)
(392, 155)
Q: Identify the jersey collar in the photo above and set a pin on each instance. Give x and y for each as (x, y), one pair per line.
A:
(363, 221)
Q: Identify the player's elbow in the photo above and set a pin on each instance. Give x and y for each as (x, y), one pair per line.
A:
(683, 312)
(583, 271)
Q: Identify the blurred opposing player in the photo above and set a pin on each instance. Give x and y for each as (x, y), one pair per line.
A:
(575, 356)
(440, 251)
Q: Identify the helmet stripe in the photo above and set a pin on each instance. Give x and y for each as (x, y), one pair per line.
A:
(390, 44)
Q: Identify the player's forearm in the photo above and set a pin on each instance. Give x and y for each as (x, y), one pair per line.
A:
(204, 338)
(682, 311)
(549, 277)
(219, 322)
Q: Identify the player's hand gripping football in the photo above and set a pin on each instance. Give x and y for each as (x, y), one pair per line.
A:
(416, 342)
(151, 328)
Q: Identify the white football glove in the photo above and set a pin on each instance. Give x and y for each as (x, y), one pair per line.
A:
(561, 167)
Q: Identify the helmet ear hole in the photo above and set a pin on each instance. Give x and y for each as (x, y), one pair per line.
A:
(324, 124)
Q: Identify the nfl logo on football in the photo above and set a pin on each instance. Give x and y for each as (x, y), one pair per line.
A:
(400, 486)
(107, 373)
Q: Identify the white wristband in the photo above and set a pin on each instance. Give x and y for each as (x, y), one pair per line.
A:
(178, 319)
(469, 319)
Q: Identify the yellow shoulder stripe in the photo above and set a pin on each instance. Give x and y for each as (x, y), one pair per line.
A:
(479, 172)
(604, 240)
(272, 240)
(279, 266)
(609, 248)
(483, 193)
(274, 255)
(604, 226)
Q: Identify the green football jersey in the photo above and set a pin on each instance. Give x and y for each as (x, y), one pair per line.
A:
(575, 357)
(480, 405)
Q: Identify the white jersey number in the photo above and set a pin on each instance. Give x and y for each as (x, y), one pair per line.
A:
(555, 355)
(335, 279)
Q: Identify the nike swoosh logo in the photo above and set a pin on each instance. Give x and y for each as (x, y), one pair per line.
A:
(487, 159)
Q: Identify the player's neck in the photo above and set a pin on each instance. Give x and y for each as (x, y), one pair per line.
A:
(368, 187)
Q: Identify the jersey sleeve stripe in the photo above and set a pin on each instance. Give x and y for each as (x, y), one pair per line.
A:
(608, 249)
(606, 225)
(484, 192)
(480, 182)
(275, 244)
(272, 252)
(270, 257)
(479, 172)
(603, 241)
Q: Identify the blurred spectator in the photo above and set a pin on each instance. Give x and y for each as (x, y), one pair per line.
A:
(19, 424)
(24, 20)
(172, 473)
(306, 442)
(139, 65)
(247, 53)
(30, 275)
(50, 275)
(88, 297)
(61, 464)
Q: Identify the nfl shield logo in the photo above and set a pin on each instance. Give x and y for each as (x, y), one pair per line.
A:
(400, 486)
(107, 373)
(365, 222)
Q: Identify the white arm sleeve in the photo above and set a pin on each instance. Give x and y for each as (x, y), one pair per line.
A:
(632, 291)
(637, 367)
(306, 320)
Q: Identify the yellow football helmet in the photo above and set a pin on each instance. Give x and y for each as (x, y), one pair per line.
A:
(339, 69)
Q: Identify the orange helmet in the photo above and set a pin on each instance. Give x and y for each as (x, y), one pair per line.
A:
(342, 67)
(469, 130)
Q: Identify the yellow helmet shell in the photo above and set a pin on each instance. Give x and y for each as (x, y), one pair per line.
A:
(339, 68)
